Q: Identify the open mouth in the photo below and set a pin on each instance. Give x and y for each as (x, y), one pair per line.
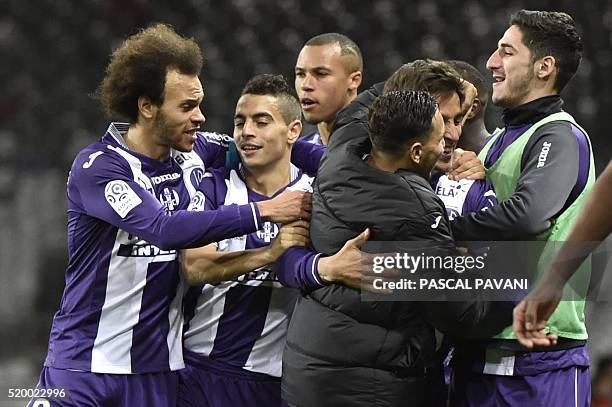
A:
(498, 79)
(307, 103)
(248, 148)
(192, 132)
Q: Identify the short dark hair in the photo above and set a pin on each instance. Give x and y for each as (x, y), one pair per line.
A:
(276, 85)
(399, 117)
(435, 77)
(347, 48)
(139, 66)
(471, 74)
(551, 33)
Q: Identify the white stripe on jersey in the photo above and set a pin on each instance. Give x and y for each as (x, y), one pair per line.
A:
(127, 277)
(267, 354)
(200, 337)
(174, 339)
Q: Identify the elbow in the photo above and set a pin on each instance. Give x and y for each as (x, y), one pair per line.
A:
(533, 226)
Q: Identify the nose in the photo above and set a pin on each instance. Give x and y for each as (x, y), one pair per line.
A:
(248, 129)
(307, 82)
(452, 133)
(198, 116)
(494, 61)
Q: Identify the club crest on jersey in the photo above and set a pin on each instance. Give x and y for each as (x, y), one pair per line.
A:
(268, 232)
(169, 198)
(121, 197)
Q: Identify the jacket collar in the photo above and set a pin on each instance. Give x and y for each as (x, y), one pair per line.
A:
(533, 111)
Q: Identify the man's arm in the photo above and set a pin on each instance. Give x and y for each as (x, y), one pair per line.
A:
(106, 190)
(308, 270)
(541, 192)
(592, 226)
(206, 265)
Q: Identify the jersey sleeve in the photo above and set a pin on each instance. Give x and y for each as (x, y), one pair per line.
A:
(549, 173)
(106, 189)
(307, 156)
(297, 268)
(479, 197)
(212, 148)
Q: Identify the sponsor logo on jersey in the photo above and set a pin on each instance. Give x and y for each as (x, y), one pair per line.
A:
(268, 232)
(451, 191)
(144, 249)
(121, 197)
(92, 158)
(543, 154)
(169, 198)
(166, 177)
(216, 138)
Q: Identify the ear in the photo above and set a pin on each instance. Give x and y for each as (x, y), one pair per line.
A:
(295, 128)
(416, 152)
(146, 108)
(355, 80)
(545, 67)
(476, 107)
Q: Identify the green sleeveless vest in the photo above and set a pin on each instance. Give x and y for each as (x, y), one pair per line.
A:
(568, 319)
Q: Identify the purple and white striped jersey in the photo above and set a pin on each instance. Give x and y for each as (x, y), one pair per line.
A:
(242, 323)
(464, 196)
(121, 307)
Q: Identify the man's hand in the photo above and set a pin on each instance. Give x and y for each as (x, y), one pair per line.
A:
(286, 207)
(465, 165)
(352, 267)
(292, 234)
(346, 266)
(531, 315)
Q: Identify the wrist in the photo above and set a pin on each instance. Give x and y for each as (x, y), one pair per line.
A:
(325, 270)
(265, 210)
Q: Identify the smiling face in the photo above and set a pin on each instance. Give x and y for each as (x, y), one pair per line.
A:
(512, 66)
(261, 134)
(450, 109)
(322, 82)
(179, 116)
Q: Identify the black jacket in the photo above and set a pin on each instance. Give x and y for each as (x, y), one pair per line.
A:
(344, 351)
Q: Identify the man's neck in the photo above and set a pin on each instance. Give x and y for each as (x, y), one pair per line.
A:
(269, 180)
(388, 163)
(324, 129)
(139, 139)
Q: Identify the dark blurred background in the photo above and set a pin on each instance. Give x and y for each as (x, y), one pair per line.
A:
(54, 53)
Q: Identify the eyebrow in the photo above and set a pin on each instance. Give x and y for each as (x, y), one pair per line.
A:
(314, 68)
(255, 116)
(506, 45)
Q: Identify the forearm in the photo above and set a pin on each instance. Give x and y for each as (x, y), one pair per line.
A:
(298, 268)
(185, 229)
(541, 192)
(212, 267)
(592, 226)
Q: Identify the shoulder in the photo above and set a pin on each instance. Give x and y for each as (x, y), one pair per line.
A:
(101, 158)
(422, 198)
